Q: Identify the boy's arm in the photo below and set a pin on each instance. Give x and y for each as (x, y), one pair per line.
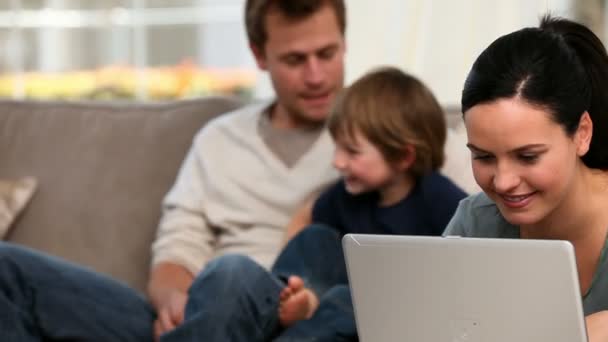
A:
(301, 219)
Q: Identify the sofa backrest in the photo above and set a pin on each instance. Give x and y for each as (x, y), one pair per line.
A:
(102, 170)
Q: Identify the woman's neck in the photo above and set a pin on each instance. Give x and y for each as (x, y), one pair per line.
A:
(581, 215)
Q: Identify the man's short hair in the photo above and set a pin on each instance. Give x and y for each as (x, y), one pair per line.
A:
(256, 12)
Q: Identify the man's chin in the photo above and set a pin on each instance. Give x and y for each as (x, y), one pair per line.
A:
(313, 118)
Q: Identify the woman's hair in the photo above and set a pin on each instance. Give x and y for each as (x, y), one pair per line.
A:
(561, 66)
(392, 109)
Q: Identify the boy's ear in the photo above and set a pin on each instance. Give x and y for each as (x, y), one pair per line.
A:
(409, 157)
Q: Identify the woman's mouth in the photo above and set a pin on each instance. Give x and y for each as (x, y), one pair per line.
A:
(517, 201)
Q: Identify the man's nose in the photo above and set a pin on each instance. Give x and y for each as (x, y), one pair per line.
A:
(314, 73)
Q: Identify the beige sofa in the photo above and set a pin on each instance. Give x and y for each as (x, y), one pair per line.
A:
(103, 169)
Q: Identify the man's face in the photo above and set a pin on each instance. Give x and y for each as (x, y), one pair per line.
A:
(305, 59)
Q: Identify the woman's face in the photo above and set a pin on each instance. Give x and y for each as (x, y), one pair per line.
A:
(522, 159)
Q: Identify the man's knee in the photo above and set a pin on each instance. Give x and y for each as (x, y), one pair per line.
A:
(227, 270)
(340, 295)
(316, 232)
(13, 254)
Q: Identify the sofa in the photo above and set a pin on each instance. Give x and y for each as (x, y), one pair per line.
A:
(102, 170)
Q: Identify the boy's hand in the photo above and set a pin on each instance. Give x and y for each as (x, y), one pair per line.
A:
(597, 326)
(170, 313)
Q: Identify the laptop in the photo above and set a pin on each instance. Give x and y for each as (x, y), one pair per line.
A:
(452, 289)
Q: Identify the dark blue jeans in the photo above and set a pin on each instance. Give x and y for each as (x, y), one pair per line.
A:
(234, 299)
(45, 298)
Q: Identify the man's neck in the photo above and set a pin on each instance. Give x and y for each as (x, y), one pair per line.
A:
(281, 118)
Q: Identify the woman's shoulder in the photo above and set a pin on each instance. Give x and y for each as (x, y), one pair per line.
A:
(478, 216)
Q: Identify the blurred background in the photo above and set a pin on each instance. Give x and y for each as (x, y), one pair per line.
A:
(150, 50)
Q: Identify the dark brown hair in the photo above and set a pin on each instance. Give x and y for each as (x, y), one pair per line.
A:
(561, 66)
(392, 110)
(256, 12)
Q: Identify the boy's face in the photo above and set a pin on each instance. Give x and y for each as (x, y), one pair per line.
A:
(364, 168)
(305, 60)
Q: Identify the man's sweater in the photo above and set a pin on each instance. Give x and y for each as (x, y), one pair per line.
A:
(233, 195)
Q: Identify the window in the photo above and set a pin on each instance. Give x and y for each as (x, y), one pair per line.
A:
(126, 49)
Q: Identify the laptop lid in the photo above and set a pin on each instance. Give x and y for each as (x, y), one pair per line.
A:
(451, 289)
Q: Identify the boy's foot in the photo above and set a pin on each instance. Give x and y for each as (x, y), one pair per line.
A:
(296, 302)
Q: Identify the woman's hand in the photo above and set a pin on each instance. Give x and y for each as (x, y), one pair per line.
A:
(597, 326)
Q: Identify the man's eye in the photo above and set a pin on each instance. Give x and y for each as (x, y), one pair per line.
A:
(327, 54)
(294, 60)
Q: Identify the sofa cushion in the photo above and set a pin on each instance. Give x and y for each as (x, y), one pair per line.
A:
(14, 195)
(102, 169)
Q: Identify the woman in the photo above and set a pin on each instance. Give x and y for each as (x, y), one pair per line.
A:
(535, 107)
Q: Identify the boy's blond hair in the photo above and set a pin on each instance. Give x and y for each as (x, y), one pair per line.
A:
(393, 110)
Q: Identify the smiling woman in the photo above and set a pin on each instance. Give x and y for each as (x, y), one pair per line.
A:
(524, 161)
(535, 107)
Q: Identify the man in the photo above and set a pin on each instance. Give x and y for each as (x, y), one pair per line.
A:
(247, 171)
(245, 174)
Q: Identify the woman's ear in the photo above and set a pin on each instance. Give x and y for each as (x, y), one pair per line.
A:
(583, 134)
(409, 157)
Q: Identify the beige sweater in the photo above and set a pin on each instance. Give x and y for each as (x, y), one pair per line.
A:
(233, 195)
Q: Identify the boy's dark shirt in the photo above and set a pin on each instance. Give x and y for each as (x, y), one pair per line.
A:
(426, 210)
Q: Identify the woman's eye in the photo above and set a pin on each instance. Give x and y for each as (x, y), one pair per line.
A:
(483, 157)
(528, 158)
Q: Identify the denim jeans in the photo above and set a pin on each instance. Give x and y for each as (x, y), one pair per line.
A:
(45, 298)
(234, 299)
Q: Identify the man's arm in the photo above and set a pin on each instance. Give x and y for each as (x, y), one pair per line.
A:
(165, 278)
(184, 242)
(168, 292)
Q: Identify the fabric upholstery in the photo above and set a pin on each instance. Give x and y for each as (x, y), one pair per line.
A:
(102, 170)
(14, 196)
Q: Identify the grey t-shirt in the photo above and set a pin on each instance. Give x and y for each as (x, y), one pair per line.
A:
(478, 216)
(287, 145)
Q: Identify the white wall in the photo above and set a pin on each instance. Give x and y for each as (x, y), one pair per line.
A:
(434, 40)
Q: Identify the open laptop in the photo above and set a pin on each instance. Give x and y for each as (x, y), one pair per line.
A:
(452, 289)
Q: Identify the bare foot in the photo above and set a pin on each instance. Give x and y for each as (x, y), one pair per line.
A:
(297, 302)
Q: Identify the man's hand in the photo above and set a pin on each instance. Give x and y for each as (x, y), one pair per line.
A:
(170, 312)
(597, 326)
(168, 291)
